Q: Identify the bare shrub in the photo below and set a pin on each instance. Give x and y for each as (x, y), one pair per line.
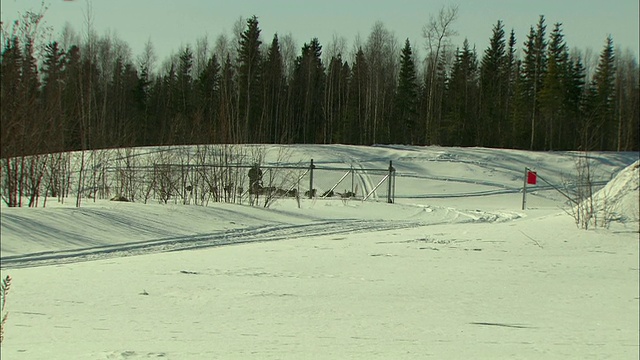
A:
(4, 290)
(589, 210)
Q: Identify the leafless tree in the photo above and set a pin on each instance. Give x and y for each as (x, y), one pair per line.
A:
(381, 51)
(201, 54)
(336, 47)
(437, 33)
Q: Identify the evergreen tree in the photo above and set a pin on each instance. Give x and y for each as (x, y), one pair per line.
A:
(208, 91)
(356, 108)
(512, 73)
(574, 102)
(603, 131)
(534, 68)
(141, 96)
(249, 60)
(463, 95)
(229, 97)
(627, 101)
(184, 128)
(309, 86)
(72, 99)
(406, 100)
(273, 95)
(10, 67)
(132, 117)
(553, 91)
(168, 111)
(92, 96)
(336, 100)
(52, 87)
(494, 88)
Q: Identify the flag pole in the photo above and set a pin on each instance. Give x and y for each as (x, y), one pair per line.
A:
(524, 189)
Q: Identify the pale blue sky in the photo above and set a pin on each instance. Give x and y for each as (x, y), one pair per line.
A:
(172, 23)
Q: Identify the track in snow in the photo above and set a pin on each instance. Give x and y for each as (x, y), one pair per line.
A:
(228, 237)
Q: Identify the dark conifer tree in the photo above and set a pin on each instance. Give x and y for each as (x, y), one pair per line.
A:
(132, 119)
(356, 108)
(403, 127)
(336, 100)
(603, 132)
(10, 66)
(309, 86)
(167, 108)
(52, 87)
(494, 88)
(72, 99)
(33, 133)
(512, 72)
(463, 98)
(229, 96)
(141, 95)
(627, 101)
(249, 60)
(273, 85)
(208, 100)
(184, 129)
(574, 102)
(553, 91)
(534, 68)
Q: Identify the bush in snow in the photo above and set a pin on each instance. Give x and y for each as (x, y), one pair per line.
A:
(600, 208)
(6, 284)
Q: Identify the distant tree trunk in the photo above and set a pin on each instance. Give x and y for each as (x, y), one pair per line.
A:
(436, 32)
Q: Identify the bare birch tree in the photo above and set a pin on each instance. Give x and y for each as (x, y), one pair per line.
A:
(437, 33)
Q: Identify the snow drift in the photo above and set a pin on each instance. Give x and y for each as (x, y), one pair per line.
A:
(454, 269)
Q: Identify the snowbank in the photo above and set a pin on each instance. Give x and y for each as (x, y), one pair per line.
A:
(619, 199)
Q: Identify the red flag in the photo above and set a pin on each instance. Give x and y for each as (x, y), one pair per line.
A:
(532, 177)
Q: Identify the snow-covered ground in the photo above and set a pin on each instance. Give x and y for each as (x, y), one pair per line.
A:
(454, 269)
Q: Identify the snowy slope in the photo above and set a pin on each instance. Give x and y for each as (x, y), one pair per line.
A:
(619, 200)
(454, 269)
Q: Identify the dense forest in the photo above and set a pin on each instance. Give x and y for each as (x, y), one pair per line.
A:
(87, 91)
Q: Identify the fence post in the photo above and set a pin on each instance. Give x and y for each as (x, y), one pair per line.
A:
(353, 181)
(311, 167)
(392, 185)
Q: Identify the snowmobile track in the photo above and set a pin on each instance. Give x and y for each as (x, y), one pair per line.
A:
(229, 237)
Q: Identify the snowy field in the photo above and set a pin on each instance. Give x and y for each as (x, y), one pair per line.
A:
(454, 269)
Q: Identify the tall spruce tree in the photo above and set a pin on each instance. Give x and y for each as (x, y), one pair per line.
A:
(229, 97)
(10, 66)
(627, 101)
(604, 129)
(309, 85)
(406, 100)
(249, 60)
(553, 92)
(336, 100)
(273, 83)
(534, 68)
(494, 89)
(208, 96)
(463, 98)
(52, 87)
(512, 72)
(356, 108)
(141, 97)
(182, 127)
(575, 102)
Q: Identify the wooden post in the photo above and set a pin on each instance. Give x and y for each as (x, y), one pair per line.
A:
(311, 167)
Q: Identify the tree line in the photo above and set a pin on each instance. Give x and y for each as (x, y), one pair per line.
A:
(90, 93)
